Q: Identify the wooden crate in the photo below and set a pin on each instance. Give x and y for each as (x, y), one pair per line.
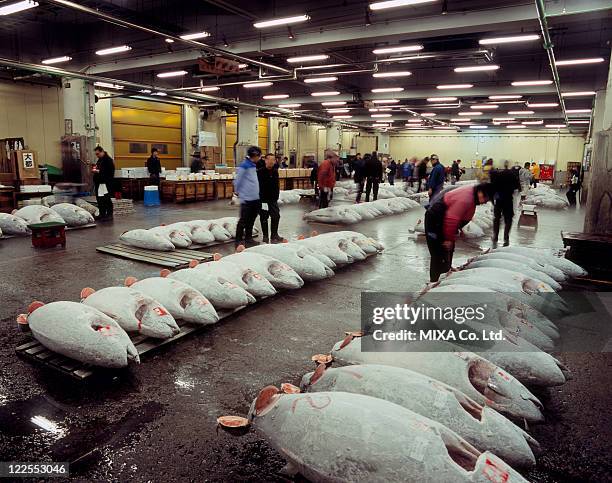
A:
(224, 188)
(6, 200)
(282, 182)
(190, 191)
(205, 190)
(179, 192)
(167, 190)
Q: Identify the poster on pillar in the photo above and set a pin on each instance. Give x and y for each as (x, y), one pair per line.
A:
(206, 138)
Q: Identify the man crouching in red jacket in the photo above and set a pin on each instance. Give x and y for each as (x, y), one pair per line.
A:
(327, 177)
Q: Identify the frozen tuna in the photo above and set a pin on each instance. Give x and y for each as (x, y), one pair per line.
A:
(13, 225)
(336, 214)
(133, 311)
(481, 426)
(80, 332)
(471, 374)
(196, 232)
(181, 300)
(279, 274)
(337, 436)
(93, 210)
(243, 276)
(217, 230)
(147, 239)
(515, 267)
(328, 248)
(367, 244)
(343, 243)
(548, 269)
(222, 293)
(304, 264)
(542, 255)
(38, 214)
(73, 215)
(178, 237)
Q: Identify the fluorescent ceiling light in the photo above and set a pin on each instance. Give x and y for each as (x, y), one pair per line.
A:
(57, 60)
(257, 84)
(325, 93)
(334, 103)
(469, 113)
(313, 80)
(446, 127)
(276, 96)
(496, 98)
(209, 89)
(415, 120)
(507, 40)
(397, 3)
(243, 66)
(515, 126)
(504, 119)
(476, 68)
(543, 104)
(379, 125)
(289, 106)
(444, 106)
(428, 114)
(459, 119)
(455, 86)
(414, 127)
(17, 7)
(307, 58)
(532, 83)
(399, 48)
(556, 126)
(399, 73)
(162, 94)
(380, 115)
(338, 110)
(594, 60)
(195, 35)
(510, 102)
(146, 91)
(519, 113)
(170, 41)
(484, 106)
(176, 73)
(476, 126)
(409, 57)
(578, 94)
(108, 85)
(461, 124)
(385, 101)
(579, 122)
(342, 117)
(114, 50)
(527, 123)
(281, 21)
(577, 111)
(441, 99)
(274, 113)
(388, 89)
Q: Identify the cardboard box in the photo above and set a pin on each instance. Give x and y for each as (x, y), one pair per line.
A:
(26, 163)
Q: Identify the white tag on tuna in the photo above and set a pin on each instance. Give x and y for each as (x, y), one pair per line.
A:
(417, 449)
(264, 206)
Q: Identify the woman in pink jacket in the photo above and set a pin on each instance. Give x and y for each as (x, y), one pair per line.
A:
(447, 213)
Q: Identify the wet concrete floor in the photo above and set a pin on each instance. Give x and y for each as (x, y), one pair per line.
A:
(157, 421)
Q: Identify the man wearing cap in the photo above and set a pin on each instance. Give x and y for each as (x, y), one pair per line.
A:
(327, 177)
(246, 186)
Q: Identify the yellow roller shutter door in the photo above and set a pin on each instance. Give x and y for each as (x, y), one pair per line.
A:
(140, 125)
(231, 135)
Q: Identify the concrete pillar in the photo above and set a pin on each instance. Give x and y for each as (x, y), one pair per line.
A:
(383, 143)
(598, 218)
(79, 106)
(247, 127)
(333, 138)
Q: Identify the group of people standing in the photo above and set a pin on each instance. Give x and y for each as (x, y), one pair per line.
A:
(257, 186)
(368, 172)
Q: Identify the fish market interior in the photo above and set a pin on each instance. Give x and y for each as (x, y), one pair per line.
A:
(325, 240)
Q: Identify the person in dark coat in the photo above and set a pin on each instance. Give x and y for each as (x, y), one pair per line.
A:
(269, 189)
(392, 172)
(196, 163)
(104, 182)
(504, 182)
(421, 173)
(373, 171)
(435, 182)
(456, 171)
(359, 174)
(154, 167)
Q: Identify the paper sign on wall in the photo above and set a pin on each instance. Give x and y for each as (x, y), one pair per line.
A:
(28, 160)
(206, 138)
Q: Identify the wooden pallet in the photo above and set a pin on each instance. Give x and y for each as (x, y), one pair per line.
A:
(90, 225)
(178, 258)
(35, 351)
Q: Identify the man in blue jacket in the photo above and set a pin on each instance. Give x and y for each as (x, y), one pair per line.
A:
(436, 177)
(246, 186)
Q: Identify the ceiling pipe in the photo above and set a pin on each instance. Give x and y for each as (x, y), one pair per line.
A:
(548, 46)
(193, 43)
(56, 71)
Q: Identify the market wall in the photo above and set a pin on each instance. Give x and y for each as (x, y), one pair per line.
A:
(468, 147)
(35, 113)
(104, 134)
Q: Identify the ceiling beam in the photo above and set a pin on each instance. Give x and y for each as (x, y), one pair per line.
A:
(494, 19)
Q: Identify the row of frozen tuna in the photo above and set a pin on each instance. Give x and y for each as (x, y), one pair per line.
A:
(16, 224)
(347, 214)
(95, 330)
(183, 234)
(428, 415)
(546, 197)
(348, 190)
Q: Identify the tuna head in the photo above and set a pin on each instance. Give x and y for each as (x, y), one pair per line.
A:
(155, 321)
(13, 225)
(197, 308)
(256, 284)
(501, 390)
(82, 333)
(284, 275)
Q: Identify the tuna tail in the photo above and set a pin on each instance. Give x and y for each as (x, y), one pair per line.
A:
(323, 359)
(239, 248)
(349, 337)
(193, 263)
(86, 292)
(314, 233)
(317, 374)
(234, 425)
(35, 305)
(129, 281)
(288, 388)
(164, 273)
(22, 322)
(265, 398)
(217, 256)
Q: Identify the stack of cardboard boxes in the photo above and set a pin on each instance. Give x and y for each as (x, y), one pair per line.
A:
(213, 154)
